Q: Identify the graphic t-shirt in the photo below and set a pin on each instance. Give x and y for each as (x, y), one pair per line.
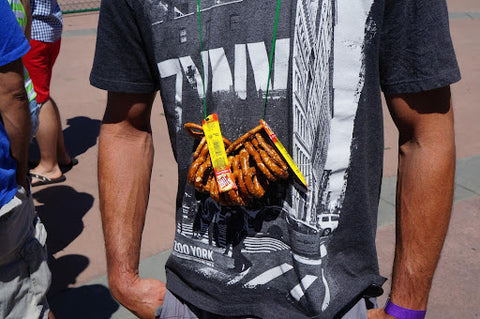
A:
(13, 45)
(295, 253)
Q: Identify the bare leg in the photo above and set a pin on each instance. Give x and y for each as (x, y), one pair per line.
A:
(62, 156)
(49, 136)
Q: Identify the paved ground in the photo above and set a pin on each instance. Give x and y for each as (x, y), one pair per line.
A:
(70, 210)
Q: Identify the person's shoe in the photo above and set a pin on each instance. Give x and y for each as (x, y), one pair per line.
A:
(43, 180)
(65, 168)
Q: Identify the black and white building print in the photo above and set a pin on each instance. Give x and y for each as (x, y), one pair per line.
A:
(312, 101)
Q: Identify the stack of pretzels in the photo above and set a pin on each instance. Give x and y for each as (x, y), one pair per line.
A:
(253, 161)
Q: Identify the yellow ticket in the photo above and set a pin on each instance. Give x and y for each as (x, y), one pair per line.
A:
(284, 153)
(216, 149)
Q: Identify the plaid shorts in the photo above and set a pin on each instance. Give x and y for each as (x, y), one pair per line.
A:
(24, 274)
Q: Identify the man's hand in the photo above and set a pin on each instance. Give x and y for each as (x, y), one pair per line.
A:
(140, 296)
(378, 314)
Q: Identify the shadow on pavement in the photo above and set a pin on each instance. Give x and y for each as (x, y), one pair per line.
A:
(61, 209)
(65, 271)
(79, 136)
(92, 302)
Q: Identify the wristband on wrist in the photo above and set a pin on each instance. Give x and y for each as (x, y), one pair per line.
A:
(403, 313)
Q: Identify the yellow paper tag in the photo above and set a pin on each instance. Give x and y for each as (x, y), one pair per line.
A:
(284, 153)
(216, 149)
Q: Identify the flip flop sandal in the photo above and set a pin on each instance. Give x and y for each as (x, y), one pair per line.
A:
(65, 168)
(43, 180)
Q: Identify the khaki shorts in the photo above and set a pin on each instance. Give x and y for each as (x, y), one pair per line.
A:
(24, 274)
(174, 308)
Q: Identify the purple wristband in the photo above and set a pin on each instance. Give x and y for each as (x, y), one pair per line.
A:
(403, 313)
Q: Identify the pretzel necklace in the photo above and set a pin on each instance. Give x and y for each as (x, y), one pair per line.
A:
(253, 161)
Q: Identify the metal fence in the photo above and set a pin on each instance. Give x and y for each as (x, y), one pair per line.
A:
(73, 6)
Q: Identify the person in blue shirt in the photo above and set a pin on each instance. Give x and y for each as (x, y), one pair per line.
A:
(24, 273)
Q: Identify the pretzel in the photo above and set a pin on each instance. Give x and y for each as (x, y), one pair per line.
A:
(237, 172)
(199, 157)
(271, 151)
(214, 193)
(253, 186)
(259, 190)
(250, 149)
(235, 198)
(196, 164)
(280, 173)
(225, 200)
(207, 187)
(199, 148)
(203, 170)
(258, 160)
(241, 195)
(236, 145)
(194, 130)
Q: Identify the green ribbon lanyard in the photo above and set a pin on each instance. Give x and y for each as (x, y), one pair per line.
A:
(201, 59)
(269, 64)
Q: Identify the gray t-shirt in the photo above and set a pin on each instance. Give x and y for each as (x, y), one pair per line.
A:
(295, 253)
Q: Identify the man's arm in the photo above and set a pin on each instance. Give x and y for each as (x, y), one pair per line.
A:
(15, 114)
(28, 12)
(426, 171)
(124, 169)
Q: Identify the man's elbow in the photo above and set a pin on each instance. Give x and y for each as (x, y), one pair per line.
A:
(12, 87)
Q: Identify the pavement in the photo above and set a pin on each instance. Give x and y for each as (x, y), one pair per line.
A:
(71, 214)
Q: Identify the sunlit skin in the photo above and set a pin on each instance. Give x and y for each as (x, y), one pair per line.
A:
(426, 167)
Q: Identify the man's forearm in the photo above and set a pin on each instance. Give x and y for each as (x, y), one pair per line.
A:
(424, 202)
(15, 114)
(124, 170)
(28, 12)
